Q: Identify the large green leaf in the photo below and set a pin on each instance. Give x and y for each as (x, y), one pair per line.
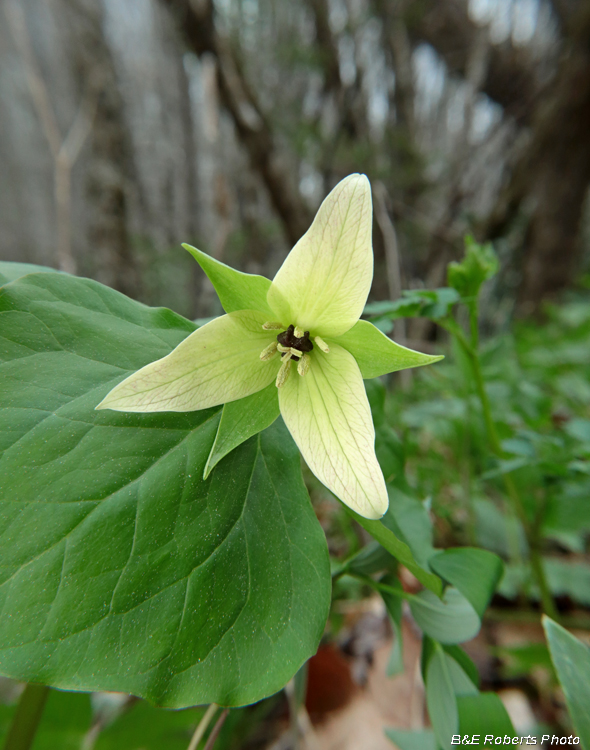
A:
(571, 658)
(121, 568)
(12, 271)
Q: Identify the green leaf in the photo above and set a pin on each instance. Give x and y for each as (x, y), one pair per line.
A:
(450, 620)
(479, 265)
(12, 271)
(475, 572)
(464, 662)
(409, 520)
(440, 698)
(445, 682)
(65, 721)
(483, 714)
(372, 558)
(241, 420)
(571, 658)
(425, 303)
(376, 354)
(236, 290)
(399, 550)
(121, 568)
(395, 665)
(405, 740)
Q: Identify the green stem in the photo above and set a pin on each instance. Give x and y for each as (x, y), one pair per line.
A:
(532, 533)
(202, 726)
(27, 717)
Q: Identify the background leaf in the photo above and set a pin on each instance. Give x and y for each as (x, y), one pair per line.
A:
(571, 658)
(451, 619)
(474, 572)
(121, 568)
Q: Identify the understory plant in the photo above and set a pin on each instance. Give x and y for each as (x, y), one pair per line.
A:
(157, 536)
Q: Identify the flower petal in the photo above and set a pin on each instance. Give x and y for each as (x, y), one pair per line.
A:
(323, 284)
(376, 354)
(328, 414)
(219, 362)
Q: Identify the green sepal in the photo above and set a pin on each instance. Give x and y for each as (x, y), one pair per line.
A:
(236, 290)
(399, 550)
(376, 354)
(241, 420)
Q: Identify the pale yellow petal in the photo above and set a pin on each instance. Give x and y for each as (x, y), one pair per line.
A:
(218, 363)
(328, 414)
(323, 284)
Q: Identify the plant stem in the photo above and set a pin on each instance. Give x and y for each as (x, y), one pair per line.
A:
(202, 726)
(27, 717)
(531, 533)
(216, 729)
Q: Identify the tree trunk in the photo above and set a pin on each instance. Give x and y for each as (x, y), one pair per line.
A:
(109, 170)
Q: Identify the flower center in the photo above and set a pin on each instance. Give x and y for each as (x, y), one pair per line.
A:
(292, 343)
(294, 338)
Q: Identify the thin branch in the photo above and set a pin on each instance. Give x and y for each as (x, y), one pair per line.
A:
(64, 152)
(39, 93)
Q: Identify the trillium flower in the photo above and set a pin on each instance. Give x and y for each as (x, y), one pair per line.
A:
(302, 334)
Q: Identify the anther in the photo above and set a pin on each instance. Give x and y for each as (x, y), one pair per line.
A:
(303, 364)
(284, 372)
(269, 352)
(283, 349)
(321, 344)
(273, 326)
(299, 333)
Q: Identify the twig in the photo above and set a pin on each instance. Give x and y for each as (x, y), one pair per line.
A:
(393, 266)
(64, 151)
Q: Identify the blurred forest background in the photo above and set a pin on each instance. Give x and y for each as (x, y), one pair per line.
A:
(128, 126)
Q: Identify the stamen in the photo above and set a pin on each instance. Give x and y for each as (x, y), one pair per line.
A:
(269, 352)
(283, 349)
(273, 326)
(299, 333)
(284, 372)
(303, 364)
(322, 344)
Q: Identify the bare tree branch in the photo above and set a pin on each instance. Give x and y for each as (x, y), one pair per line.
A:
(64, 151)
(510, 78)
(195, 20)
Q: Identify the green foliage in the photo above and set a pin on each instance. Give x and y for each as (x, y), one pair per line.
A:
(479, 265)
(122, 569)
(572, 662)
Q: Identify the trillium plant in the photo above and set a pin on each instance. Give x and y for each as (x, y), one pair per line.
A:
(298, 339)
(157, 536)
